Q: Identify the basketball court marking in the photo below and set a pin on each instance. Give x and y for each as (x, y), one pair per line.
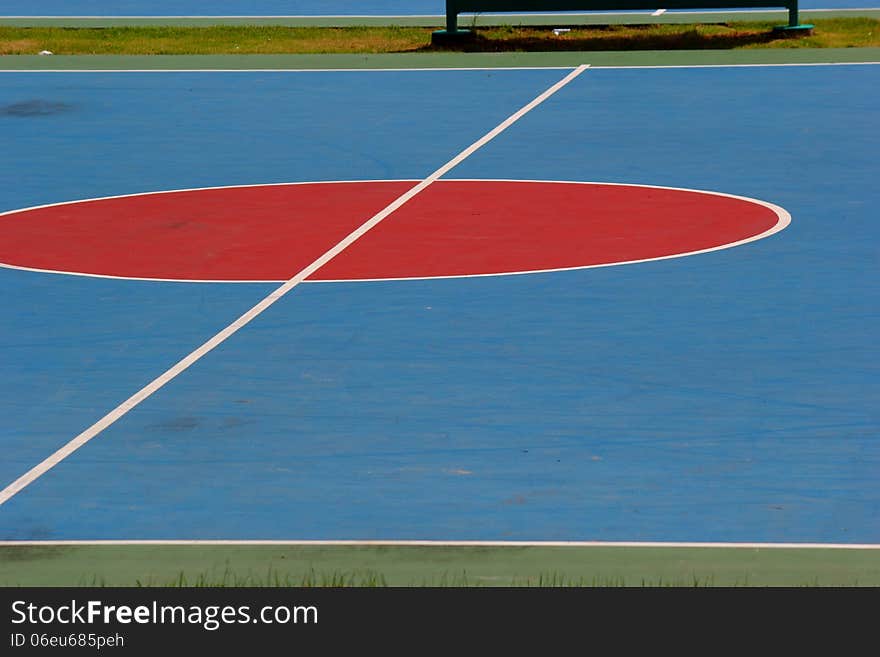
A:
(420, 543)
(736, 65)
(289, 70)
(755, 545)
(39, 470)
(201, 207)
(346, 16)
(429, 69)
(485, 15)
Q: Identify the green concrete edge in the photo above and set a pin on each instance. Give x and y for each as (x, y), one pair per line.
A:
(481, 20)
(442, 60)
(199, 565)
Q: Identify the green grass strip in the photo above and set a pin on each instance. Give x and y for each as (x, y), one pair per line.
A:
(274, 566)
(273, 40)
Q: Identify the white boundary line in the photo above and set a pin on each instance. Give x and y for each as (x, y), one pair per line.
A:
(39, 470)
(211, 17)
(282, 70)
(781, 65)
(427, 543)
(421, 70)
(439, 17)
(769, 10)
(783, 220)
(732, 10)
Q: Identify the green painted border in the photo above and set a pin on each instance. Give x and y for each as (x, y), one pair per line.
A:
(442, 60)
(482, 20)
(435, 566)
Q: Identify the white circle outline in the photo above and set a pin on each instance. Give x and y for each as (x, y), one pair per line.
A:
(783, 221)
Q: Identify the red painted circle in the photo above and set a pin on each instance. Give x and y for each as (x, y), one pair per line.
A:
(452, 228)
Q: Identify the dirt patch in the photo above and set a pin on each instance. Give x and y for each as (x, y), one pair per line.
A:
(19, 47)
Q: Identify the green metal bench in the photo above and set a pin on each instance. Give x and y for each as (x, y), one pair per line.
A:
(456, 7)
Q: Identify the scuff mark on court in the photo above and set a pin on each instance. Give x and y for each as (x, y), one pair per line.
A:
(35, 108)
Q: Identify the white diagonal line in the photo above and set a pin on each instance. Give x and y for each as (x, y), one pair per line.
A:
(42, 468)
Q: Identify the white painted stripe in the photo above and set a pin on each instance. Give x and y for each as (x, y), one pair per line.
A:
(659, 12)
(442, 17)
(506, 15)
(422, 70)
(39, 470)
(634, 66)
(322, 16)
(770, 11)
(783, 220)
(851, 9)
(211, 17)
(429, 543)
(286, 70)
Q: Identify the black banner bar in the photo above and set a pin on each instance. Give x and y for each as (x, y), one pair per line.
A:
(242, 620)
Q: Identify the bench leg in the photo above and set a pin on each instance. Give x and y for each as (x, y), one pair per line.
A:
(451, 34)
(451, 21)
(794, 27)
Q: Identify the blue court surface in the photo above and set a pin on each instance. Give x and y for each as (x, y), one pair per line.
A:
(728, 396)
(278, 7)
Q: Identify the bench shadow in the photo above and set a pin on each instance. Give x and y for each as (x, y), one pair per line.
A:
(605, 39)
